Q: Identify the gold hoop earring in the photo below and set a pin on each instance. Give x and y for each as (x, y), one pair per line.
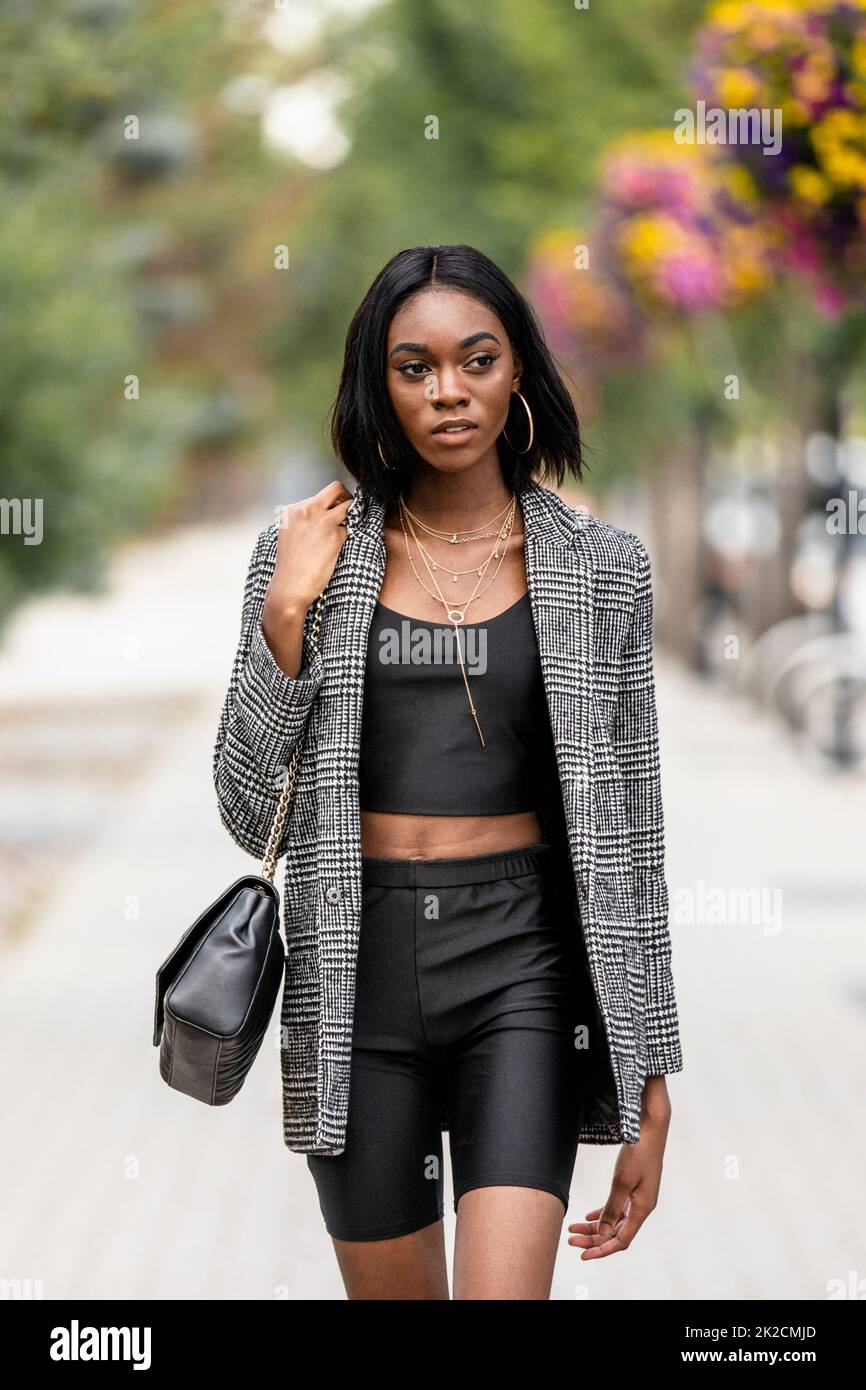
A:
(382, 456)
(531, 428)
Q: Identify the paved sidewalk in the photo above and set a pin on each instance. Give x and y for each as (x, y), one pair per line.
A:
(115, 1186)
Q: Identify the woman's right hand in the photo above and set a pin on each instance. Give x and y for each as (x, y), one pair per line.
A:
(310, 536)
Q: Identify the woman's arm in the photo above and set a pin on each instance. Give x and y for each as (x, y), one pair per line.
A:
(265, 709)
(636, 1182)
(636, 743)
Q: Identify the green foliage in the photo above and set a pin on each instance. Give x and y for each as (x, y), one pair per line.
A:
(73, 327)
(526, 97)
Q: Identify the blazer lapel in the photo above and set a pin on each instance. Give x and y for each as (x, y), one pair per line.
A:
(350, 600)
(560, 583)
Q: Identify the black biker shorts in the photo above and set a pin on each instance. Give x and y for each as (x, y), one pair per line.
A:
(466, 994)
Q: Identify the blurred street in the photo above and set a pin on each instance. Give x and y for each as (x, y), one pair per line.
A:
(115, 1186)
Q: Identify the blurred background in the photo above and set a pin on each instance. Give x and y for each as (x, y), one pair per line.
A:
(195, 197)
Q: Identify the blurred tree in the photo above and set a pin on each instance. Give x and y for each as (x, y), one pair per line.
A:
(115, 263)
(525, 97)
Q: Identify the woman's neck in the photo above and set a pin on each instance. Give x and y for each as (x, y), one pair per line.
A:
(458, 502)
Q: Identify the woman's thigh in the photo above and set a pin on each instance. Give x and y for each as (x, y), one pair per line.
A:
(513, 1079)
(514, 1099)
(387, 1183)
(408, 1267)
(388, 1180)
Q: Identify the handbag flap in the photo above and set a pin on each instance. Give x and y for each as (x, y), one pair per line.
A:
(243, 916)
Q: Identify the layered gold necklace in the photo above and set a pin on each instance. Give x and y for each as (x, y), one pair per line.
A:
(456, 612)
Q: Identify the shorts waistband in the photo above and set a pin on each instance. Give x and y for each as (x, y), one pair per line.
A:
(439, 873)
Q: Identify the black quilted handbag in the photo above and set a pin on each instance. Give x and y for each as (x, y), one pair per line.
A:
(215, 993)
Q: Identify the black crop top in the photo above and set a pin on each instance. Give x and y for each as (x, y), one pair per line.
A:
(420, 750)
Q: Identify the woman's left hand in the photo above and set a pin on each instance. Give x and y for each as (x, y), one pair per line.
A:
(636, 1181)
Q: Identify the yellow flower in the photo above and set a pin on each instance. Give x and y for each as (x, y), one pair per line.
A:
(657, 144)
(727, 15)
(738, 87)
(808, 184)
(855, 93)
(858, 56)
(643, 239)
(815, 6)
(839, 139)
(556, 245)
(794, 112)
(748, 277)
(739, 182)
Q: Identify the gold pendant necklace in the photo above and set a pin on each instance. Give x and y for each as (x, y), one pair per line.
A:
(457, 615)
(475, 533)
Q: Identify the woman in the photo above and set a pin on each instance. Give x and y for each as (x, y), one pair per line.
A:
(475, 903)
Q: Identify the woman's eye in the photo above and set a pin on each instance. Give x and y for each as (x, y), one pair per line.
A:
(483, 360)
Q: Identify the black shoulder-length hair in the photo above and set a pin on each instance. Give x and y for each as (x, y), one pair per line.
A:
(362, 413)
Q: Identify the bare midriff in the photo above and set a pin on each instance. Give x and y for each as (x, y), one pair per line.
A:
(395, 835)
(385, 835)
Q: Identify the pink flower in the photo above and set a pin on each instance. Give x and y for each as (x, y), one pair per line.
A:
(829, 300)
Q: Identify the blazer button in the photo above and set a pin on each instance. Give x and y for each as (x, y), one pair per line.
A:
(333, 894)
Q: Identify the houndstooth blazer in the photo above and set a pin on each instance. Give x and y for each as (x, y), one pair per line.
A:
(591, 601)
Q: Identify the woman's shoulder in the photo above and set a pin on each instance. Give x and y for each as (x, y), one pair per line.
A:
(614, 544)
(264, 549)
(599, 541)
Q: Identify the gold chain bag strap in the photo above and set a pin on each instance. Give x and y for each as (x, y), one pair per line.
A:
(216, 991)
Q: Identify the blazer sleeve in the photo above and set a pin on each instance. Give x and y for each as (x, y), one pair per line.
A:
(636, 744)
(263, 716)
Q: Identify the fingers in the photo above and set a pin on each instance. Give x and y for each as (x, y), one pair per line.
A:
(340, 511)
(334, 494)
(608, 1230)
(613, 1241)
(333, 500)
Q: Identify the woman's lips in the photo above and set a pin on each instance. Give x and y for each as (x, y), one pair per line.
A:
(454, 436)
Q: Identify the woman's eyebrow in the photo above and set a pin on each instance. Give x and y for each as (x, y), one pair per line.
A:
(423, 347)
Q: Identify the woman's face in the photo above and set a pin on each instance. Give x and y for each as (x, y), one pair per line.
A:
(449, 359)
